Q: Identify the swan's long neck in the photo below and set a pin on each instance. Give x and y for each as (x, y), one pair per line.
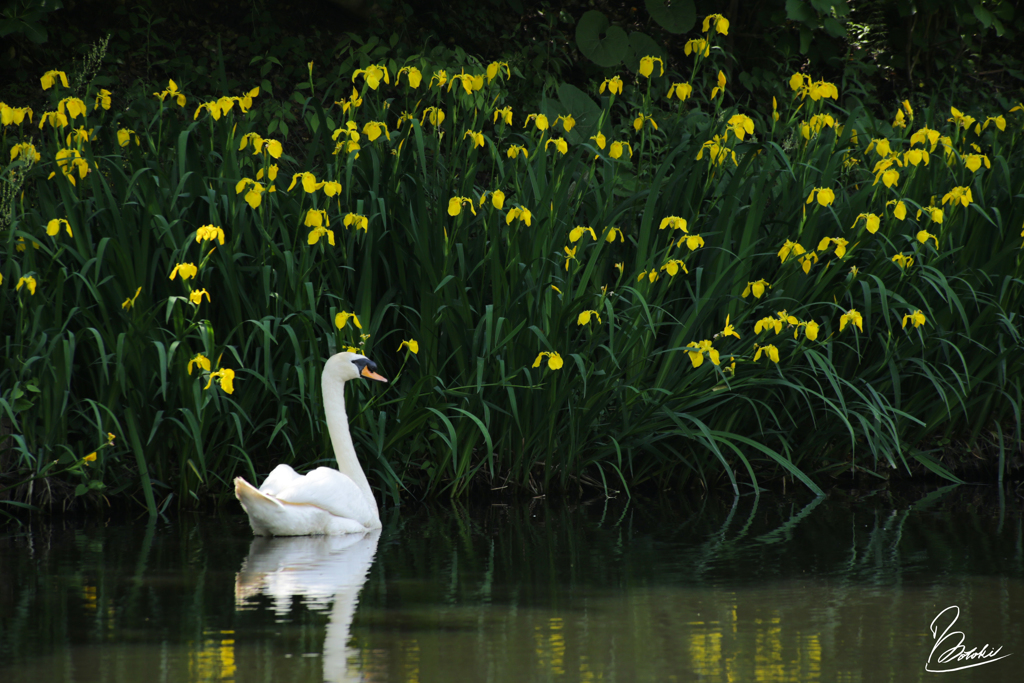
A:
(337, 426)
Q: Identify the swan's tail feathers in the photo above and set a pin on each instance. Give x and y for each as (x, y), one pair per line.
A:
(262, 509)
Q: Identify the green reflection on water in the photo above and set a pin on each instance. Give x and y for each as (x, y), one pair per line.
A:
(751, 591)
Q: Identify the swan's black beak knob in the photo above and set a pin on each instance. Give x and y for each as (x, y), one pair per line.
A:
(367, 368)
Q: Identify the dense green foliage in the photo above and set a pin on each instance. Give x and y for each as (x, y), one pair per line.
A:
(805, 287)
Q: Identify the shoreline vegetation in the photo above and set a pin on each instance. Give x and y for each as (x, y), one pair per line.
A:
(651, 278)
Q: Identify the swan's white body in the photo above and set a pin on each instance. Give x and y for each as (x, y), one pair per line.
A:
(325, 501)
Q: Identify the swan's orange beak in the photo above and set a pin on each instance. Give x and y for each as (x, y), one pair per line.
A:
(370, 374)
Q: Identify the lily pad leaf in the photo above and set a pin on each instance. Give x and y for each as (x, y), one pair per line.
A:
(600, 42)
(675, 16)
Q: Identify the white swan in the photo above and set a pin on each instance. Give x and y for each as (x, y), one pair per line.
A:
(325, 501)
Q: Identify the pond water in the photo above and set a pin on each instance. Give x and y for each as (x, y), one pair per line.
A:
(754, 589)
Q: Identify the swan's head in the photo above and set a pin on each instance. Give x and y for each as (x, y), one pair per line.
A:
(341, 367)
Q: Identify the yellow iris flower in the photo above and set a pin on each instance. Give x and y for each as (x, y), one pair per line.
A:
(923, 236)
(342, 318)
(901, 209)
(554, 360)
(373, 75)
(720, 88)
(647, 66)
(26, 151)
(925, 136)
(756, 288)
(494, 70)
(358, 221)
(434, 115)
(808, 260)
(570, 255)
(935, 213)
(172, 92)
(960, 119)
(53, 227)
(576, 233)
(455, 205)
(717, 151)
(227, 380)
(211, 233)
(69, 161)
(693, 242)
(741, 125)
(673, 266)
(790, 248)
(838, 241)
(412, 76)
(961, 195)
(130, 301)
(185, 270)
(638, 122)
(440, 76)
(316, 218)
(702, 347)
(680, 90)
(729, 330)
(851, 316)
(373, 129)
(674, 222)
(999, 122)
(48, 79)
(973, 162)
(253, 191)
(825, 196)
(917, 318)
(319, 231)
(54, 118)
(871, 222)
(521, 213)
(26, 281)
(539, 120)
(720, 24)
(768, 323)
(616, 149)
(698, 47)
(614, 85)
(411, 344)
(560, 144)
(125, 135)
(768, 349)
(903, 261)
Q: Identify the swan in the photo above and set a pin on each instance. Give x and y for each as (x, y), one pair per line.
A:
(325, 501)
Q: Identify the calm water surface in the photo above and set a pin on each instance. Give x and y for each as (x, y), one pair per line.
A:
(752, 590)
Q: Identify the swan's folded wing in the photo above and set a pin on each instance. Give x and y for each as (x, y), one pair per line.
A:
(332, 491)
(279, 479)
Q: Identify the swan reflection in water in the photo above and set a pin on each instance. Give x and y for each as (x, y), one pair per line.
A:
(325, 571)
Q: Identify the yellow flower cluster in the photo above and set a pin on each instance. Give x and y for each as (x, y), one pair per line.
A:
(222, 106)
